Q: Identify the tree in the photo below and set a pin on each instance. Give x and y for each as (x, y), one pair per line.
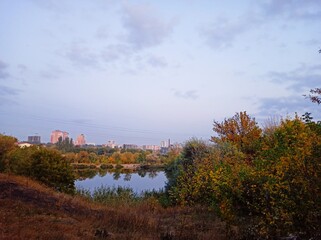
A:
(51, 168)
(315, 95)
(278, 194)
(241, 131)
(65, 145)
(288, 174)
(7, 144)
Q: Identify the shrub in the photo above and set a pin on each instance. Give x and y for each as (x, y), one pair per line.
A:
(50, 167)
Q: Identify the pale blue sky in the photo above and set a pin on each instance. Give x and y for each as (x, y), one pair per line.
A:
(145, 71)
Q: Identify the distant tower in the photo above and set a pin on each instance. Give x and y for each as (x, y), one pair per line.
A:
(80, 140)
(55, 135)
(34, 139)
(165, 144)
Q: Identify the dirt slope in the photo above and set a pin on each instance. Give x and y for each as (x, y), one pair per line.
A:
(29, 210)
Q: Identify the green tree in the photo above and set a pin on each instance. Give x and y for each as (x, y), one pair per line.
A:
(7, 144)
(289, 172)
(50, 167)
(65, 145)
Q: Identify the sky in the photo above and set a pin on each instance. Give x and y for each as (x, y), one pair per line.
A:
(141, 72)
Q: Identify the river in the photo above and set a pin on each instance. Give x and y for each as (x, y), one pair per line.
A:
(138, 181)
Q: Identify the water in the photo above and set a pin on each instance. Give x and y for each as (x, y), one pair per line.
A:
(137, 181)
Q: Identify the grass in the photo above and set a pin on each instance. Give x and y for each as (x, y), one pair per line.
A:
(30, 210)
(112, 196)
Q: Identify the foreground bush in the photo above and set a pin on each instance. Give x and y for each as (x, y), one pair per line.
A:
(270, 189)
(50, 167)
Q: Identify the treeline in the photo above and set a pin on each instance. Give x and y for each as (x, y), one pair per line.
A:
(106, 155)
(266, 181)
(115, 157)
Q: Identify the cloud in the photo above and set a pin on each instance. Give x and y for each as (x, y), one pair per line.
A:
(5, 94)
(22, 69)
(222, 33)
(145, 28)
(293, 9)
(311, 42)
(4, 90)
(190, 94)
(3, 70)
(114, 52)
(81, 121)
(298, 79)
(102, 33)
(142, 28)
(157, 62)
(80, 55)
(52, 72)
(286, 106)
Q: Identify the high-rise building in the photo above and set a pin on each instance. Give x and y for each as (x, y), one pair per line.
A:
(55, 135)
(80, 141)
(151, 147)
(130, 146)
(165, 144)
(34, 139)
(111, 144)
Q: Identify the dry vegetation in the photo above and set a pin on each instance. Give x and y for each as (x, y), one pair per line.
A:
(32, 211)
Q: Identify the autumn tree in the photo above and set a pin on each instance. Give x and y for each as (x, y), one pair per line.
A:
(241, 131)
(278, 194)
(288, 172)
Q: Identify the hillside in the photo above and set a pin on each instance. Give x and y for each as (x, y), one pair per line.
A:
(32, 211)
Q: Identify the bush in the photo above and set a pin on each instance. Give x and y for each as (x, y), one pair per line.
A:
(275, 194)
(45, 165)
(7, 144)
(50, 167)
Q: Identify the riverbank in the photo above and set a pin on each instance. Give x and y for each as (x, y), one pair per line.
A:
(27, 206)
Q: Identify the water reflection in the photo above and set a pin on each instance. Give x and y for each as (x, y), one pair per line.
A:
(139, 181)
(116, 175)
(152, 174)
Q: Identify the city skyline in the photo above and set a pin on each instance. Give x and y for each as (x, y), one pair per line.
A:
(143, 71)
(80, 140)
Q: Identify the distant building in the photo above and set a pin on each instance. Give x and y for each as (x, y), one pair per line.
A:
(111, 144)
(34, 139)
(91, 144)
(130, 146)
(165, 144)
(55, 135)
(151, 147)
(24, 144)
(80, 141)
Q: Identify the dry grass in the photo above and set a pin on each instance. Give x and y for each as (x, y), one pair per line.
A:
(28, 210)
